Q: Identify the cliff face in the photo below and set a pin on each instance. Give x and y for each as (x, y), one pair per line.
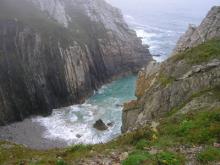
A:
(208, 29)
(56, 52)
(188, 81)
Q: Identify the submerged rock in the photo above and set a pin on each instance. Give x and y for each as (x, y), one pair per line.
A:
(118, 105)
(100, 125)
(78, 135)
(110, 124)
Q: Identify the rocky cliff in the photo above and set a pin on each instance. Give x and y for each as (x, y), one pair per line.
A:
(56, 52)
(188, 80)
(208, 29)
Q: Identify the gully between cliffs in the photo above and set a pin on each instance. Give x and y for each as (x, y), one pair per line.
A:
(47, 63)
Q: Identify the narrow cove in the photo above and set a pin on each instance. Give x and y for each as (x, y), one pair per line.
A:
(74, 124)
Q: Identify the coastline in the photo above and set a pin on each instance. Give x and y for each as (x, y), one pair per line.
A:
(29, 134)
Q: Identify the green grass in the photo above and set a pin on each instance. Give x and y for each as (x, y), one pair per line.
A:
(165, 80)
(199, 127)
(201, 53)
(215, 91)
(210, 154)
(61, 162)
(133, 137)
(165, 141)
(70, 154)
(80, 147)
(143, 143)
(141, 157)
(169, 158)
(137, 158)
(195, 127)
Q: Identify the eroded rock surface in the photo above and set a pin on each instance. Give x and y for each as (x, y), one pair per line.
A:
(54, 53)
(182, 83)
(208, 29)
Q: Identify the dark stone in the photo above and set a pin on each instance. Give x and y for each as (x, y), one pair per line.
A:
(78, 135)
(118, 105)
(110, 124)
(100, 125)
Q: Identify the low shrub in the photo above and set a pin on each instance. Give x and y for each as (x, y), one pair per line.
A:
(137, 158)
(208, 155)
(169, 158)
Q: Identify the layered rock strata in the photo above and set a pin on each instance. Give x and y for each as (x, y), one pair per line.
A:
(188, 80)
(55, 53)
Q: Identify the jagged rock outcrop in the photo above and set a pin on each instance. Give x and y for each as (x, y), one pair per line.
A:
(56, 52)
(208, 29)
(189, 80)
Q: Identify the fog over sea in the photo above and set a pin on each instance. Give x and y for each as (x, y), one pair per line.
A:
(161, 22)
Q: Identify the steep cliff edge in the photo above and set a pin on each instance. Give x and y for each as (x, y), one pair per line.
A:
(208, 29)
(188, 81)
(56, 52)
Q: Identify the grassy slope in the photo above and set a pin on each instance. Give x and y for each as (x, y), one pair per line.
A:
(196, 128)
(193, 129)
(202, 53)
(195, 56)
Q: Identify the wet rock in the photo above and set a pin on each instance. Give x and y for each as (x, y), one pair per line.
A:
(100, 125)
(78, 135)
(110, 124)
(118, 105)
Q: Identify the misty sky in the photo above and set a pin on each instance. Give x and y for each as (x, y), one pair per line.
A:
(150, 8)
(160, 23)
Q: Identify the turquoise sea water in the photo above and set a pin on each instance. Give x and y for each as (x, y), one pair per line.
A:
(160, 23)
(77, 120)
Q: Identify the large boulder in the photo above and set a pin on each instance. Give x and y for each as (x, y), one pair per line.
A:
(100, 125)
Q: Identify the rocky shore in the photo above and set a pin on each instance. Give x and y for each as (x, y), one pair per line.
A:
(30, 134)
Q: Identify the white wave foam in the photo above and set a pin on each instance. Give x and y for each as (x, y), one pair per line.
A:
(74, 124)
(151, 28)
(102, 89)
(77, 120)
(147, 38)
(129, 17)
(142, 33)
